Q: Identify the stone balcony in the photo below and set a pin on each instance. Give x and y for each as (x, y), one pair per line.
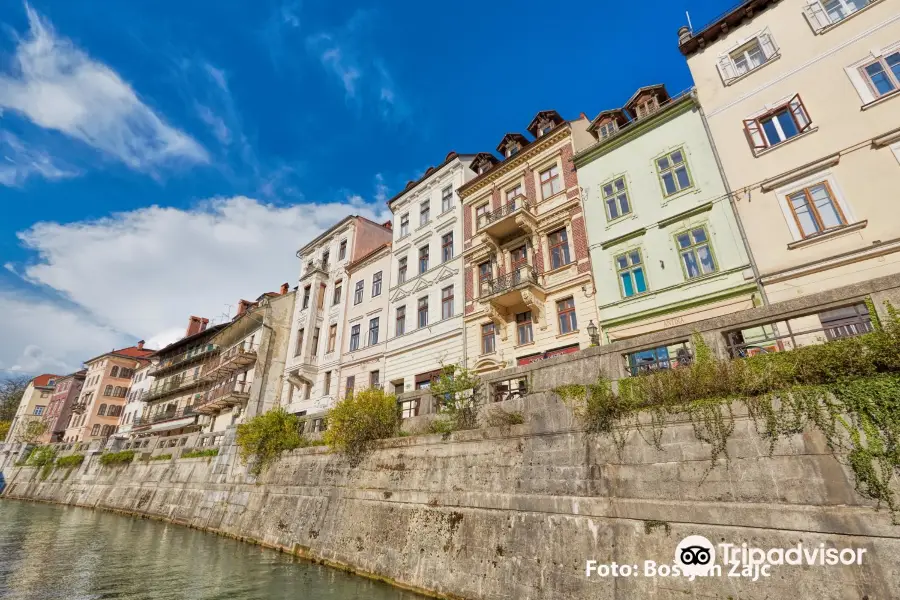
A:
(518, 287)
(237, 358)
(516, 217)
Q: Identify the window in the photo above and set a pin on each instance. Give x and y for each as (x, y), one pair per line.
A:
(299, 347)
(615, 198)
(307, 391)
(824, 13)
(306, 292)
(559, 249)
(320, 303)
(409, 408)
(481, 215)
(342, 250)
(336, 298)
(524, 333)
(447, 247)
(778, 125)
(423, 259)
(565, 310)
(487, 338)
(95, 430)
(883, 75)
(484, 272)
(654, 359)
(447, 302)
(398, 387)
(102, 410)
(550, 182)
(375, 379)
(332, 337)
(125, 373)
(511, 196)
(647, 107)
(630, 268)
(114, 372)
(423, 312)
(401, 271)
(315, 341)
(327, 382)
(351, 383)
(374, 325)
(325, 256)
(39, 410)
(108, 390)
(446, 198)
(696, 254)
(673, 172)
(404, 225)
(608, 129)
(400, 328)
(424, 212)
(815, 209)
(376, 284)
(354, 338)
(358, 292)
(747, 57)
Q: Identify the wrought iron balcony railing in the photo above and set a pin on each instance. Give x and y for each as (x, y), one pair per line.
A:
(172, 385)
(231, 360)
(525, 274)
(191, 355)
(315, 265)
(166, 415)
(230, 389)
(517, 203)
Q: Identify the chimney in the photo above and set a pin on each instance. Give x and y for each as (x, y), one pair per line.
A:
(284, 288)
(243, 305)
(140, 345)
(684, 34)
(583, 116)
(195, 325)
(203, 324)
(388, 225)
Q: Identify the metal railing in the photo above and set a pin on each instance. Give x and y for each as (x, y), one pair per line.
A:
(313, 266)
(525, 274)
(239, 351)
(229, 388)
(174, 384)
(166, 415)
(517, 203)
(183, 358)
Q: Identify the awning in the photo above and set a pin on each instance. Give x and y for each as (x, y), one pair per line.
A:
(167, 425)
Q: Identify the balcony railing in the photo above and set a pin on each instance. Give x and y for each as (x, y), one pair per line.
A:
(236, 390)
(167, 415)
(517, 203)
(525, 274)
(315, 265)
(234, 359)
(79, 407)
(175, 384)
(186, 357)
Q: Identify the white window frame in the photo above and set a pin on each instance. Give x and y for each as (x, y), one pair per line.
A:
(785, 191)
(895, 148)
(861, 81)
(756, 134)
(820, 20)
(446, 199)
(728, 68)
(608, 130)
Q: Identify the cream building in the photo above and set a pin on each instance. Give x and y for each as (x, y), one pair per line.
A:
(424, 324)
(141, 382)
(32, 406)
(665, 245)
(529, 290)
(802, 98)
(313, 362)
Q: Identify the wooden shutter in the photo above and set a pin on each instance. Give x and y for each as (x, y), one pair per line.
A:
(754, 134)
(800, 114)
(816, 15)
(767, 43)
(726, 68)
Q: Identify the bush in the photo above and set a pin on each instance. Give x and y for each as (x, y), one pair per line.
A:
(497, 417)
(360, 419)
(199, 453)
(67, 462)
(440, 425)
(4, 429)
(459, 393)
(161, 457)
(115, 458)
(266, 436)
(42, 456)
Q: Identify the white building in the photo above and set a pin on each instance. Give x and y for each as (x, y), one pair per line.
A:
(425, 317)
(134, 403)
(319, 309)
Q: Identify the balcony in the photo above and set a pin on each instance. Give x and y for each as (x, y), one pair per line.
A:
(192, 355)
(167, 415)
(507, 290)
(510, 220)
(176, 384)
(230, 393)
(235, 359)
(315, 266)
(79, 407)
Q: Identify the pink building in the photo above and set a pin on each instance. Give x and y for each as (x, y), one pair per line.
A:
(59, 409)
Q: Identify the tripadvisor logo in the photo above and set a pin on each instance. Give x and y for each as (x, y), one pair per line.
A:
(696, 556)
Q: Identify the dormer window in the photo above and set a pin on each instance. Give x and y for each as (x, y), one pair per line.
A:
(512, 149)
(608, 129)
(647, 107)
(482, 169)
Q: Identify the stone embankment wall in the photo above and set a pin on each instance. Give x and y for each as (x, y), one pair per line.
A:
(514, 512)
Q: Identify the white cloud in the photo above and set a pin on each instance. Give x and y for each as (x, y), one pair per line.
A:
(349, 74)
(144, 272)
(58, 87)
(215, 123)
(19, 162)
(381, 190)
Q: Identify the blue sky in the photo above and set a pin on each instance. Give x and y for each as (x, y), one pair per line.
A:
(161, 159)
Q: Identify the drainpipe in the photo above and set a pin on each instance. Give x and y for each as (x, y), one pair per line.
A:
(731, 201)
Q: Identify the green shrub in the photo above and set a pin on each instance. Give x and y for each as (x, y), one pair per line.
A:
(67, 462)
(199, 453)
(440, 425)
(458, 392)
(497, 417)
(4, 429)
(115, 458)
(360, 419)
(266, 436)
(161, 457)
(41, 456)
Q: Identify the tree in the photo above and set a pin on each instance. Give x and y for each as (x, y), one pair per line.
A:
(11, 391)
(29, 430)
(265, 437)
(4, 429)
(459, 394)
(360, 419)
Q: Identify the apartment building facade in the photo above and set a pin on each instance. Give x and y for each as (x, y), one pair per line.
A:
(66, 392)
(141, 382)
(802, 98)
(666, 248)
(424, 324)
(322, 295)
(34, 403)
(95, 415)
(177, 388)
(245, 378)
(529, 291)
(365, 326)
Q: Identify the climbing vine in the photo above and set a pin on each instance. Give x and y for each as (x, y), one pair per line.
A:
(848, 389)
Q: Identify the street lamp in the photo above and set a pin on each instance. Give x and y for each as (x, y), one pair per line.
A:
(592, 333)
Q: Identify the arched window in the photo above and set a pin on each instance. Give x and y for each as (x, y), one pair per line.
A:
(102, 410)
(114, 372)
(108, 390)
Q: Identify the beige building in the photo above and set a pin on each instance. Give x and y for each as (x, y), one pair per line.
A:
(802, 98)
(529, 290)
(33, 405)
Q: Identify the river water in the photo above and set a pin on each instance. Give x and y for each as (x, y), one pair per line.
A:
(56, 552)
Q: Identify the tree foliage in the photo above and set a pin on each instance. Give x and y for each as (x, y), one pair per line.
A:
(459, 394)
(360, 419)
(11, 391)
(29, 430)
(263, 438)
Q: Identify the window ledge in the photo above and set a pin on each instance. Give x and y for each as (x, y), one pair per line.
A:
(569, 334)
(847, 18)
(446, 212)
(558, 269)
(828, 235)
(734, 80)
(812, 130)
(403, 237)
(524, 345)
(699, 278)
(878, 101)
(615, 222)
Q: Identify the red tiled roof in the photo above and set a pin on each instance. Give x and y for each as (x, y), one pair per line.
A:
(130, 352)
(43, 380)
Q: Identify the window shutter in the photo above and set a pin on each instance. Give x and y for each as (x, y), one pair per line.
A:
(858, 79)
(816, 15)
(726, 68)
(799, 112)
(767, 43)
(754, 134)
